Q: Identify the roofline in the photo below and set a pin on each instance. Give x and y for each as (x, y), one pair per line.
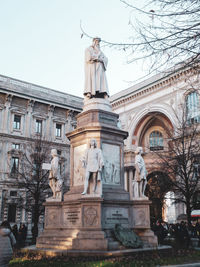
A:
(11, 85)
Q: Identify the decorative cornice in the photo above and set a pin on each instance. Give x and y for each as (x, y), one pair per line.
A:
(152, 86)
(22, 138)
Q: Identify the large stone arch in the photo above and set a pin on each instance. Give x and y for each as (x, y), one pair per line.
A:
(142, 117)
(157, 187)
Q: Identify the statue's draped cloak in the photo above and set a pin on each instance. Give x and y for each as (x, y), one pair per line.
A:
(141, 171)
(95, 77)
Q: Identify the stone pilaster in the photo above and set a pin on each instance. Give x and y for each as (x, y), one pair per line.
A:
(6, 114)
(49, 124)
(28, 124)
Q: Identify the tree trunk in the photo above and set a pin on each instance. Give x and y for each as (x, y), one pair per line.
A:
(188, 212)
(35, 224)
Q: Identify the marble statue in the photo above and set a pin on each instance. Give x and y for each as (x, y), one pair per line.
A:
(55, 181)
(127, 237)
(140, 179)
(93, 163)
(95, 67)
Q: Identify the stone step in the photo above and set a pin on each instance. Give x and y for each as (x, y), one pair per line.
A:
(114, 245)
(54, 241)
(52, 246)
(41, 238)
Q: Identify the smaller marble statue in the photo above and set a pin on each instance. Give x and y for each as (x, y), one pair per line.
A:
(55, 181)
(93, 163)
(127, 237)
(140, 179)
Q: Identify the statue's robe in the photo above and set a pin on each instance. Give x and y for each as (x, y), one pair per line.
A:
(95, 76)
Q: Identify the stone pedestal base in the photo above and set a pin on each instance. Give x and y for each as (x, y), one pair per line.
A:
(148, 237)
(141, 221)
(87, 223)
(90, 240)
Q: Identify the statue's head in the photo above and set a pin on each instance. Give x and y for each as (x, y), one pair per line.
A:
(139, 150)
(96, 41)
(54, 152)
(93, 142)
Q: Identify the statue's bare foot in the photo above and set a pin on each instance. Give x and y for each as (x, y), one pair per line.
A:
(83, 193)
(105, 96)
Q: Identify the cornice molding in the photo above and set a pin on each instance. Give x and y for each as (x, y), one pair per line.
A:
(150, 88)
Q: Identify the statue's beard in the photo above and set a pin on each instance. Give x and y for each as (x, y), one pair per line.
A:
(97, 47)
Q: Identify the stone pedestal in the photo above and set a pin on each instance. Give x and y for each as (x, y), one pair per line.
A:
(86, 222)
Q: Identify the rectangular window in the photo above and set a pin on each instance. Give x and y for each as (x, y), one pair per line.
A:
(58, 130)
(15, 146)
(17, 122)
(38, 126)
(12, 212)
(13, 193)
(14, 165)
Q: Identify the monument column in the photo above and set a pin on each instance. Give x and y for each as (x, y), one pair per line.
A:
(97, 201)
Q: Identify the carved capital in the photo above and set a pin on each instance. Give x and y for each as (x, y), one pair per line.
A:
(8, 99)
(51, 108)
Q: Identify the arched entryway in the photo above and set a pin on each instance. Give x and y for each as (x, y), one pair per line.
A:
(157, 187)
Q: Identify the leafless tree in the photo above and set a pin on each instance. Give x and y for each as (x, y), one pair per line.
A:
(34, 180)
(164, 32)
(180, 159)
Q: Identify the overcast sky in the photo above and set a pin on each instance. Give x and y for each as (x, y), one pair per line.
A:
(40, 42)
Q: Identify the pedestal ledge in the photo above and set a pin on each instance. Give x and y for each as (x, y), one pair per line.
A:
(97, 103)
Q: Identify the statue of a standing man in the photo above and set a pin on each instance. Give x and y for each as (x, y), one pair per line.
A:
(140, 179)
(95, 67)
(94, 163)
(55, 181)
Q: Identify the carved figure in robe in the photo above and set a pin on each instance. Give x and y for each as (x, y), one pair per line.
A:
(140, 179)
(93, 163)
(55, 181)
(95, 67)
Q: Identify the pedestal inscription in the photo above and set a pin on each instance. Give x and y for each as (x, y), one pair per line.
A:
(112, 164)
(72, 217)
(114, 216)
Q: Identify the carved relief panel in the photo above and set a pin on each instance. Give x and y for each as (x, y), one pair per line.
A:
(79, 170)
(52, 217)
(141, 217)
(91, 216)
(112, 164)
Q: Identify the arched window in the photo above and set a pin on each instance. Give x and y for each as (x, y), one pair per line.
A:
(192, 103)
(156, 140)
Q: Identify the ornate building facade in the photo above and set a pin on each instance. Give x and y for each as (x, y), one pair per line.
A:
(26, 112)
(146, 110)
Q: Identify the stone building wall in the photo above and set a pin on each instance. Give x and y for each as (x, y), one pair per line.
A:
(152, 106)
(26, 111)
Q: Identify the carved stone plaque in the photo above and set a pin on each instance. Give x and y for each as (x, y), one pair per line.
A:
(72, 217)
(141, 217)
(52, 217)
(114, 216)
(112, 164)
(79, 170)
(90, 216)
